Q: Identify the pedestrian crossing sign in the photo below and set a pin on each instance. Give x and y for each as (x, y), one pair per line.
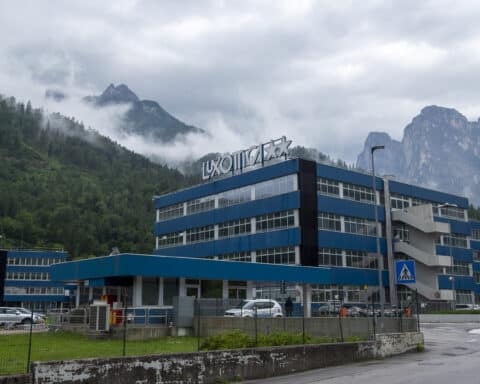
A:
(405, 271)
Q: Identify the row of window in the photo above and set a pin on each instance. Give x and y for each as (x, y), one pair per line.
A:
(33, 261)
(281, 255)
(355, 225)
(257, 191)
(346, 258)
(459, 268)
(263, 223)
(349, 191)
(323, 293)
(453, 240)
(34, 291)
(476, 234)
(28, 276)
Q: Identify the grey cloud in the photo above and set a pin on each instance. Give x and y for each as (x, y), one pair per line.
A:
(324, 73)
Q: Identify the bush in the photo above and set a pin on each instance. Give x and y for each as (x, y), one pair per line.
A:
(230, 340)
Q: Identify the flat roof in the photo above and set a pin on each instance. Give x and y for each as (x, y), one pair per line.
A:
(126, 265)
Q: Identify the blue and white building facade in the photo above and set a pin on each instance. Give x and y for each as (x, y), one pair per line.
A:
(27, 281)
(302, 213)
(293, 227)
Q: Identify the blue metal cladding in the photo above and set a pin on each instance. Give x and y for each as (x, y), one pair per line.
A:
(347, 176)
(145, 265)
(253, 208)
(32, 283)
(475, 244)
(27, 268)
(460, 282)
(357, 276)
(237, 181)
(476, 266)
(456, 226)
(475, 224)
(39, 254)
(349, 208)
(460, 254)
(282, 238)
(427, 194)
(35, 298)
(340, 240)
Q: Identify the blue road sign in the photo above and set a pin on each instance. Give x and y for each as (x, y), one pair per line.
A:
(405, 271)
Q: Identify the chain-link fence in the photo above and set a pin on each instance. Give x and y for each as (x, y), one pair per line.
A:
(101, 331)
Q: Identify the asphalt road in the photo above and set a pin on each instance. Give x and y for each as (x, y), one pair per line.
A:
(452, 355)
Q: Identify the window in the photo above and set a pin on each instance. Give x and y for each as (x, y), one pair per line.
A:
(476, 255)
(234, 196)
(200, 234)
(476, 234)
(324, 293)
(328, 187)
(284, 255)
(358, 193)
(236, 256)
(476, 275)
(455, 240)
(330, 256)
(401, 233)
(361, 259)
(463, 296)
(200, 205)
(453, 212)
(417, 201)
(234, 228)
(459, 268)
(329, 221)
(170, 239)
(170, 212)
(275, 187)
(399, 201)
(277, 220)
(360, 226)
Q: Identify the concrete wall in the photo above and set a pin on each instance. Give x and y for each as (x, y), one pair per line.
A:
(210, 367)
(319, 326)
(450, 319)
(16, 379)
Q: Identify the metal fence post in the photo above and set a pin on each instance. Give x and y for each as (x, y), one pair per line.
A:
(30, 341)
(303, 322)
(125, 319)
(256, 327)
(198, 323)
(373, 317)
(418, 310)
(340, 322)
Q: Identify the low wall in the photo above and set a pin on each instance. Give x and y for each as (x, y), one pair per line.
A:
(16, 379)
(425, 318)
(315, 326)
(210, 367)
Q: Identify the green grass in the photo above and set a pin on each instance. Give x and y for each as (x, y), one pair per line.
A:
(61, 346)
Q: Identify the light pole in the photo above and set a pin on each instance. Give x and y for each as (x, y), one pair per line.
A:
(452, 279)
(377, 235)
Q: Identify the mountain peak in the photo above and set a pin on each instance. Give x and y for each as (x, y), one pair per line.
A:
(120, 94)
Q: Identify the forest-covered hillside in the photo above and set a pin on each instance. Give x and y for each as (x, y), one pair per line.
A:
(65, 186)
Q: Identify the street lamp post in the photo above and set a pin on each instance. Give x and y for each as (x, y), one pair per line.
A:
(452, 279)
(377, 235)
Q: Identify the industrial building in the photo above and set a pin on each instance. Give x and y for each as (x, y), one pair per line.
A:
(272, 226)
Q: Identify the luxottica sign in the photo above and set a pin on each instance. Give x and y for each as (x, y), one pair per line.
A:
(250, 157)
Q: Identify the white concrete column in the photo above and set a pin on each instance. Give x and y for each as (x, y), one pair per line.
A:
(253, 225)
(224, 289)
(296, 218)
(295, 183)
(104, 290)
(250, 290)
(156, 242)
(342, 223)
(160, 291)
(158, 215)
(184, 237)
(182, 288)
(77, 297)
(185, 209)
(297, 255)
(90, 294)
(307, 300)
(215, 232)
(344, 258)
(340, 189)
(137, 291)
(254, 256)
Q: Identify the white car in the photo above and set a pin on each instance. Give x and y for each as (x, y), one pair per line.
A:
(257, 307)
(12, 316)
(37, 317)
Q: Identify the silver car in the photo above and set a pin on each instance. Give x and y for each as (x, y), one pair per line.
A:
(258, 308)
(12, 316)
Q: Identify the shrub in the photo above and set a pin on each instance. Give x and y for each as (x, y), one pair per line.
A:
(231, 340)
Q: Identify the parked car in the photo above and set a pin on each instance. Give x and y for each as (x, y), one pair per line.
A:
(258, 307)
(328, 308)
(466, 307)
(355, 309)
(12, 316)
(37, 317)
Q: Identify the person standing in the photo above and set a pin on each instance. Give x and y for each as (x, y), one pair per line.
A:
(289, 307)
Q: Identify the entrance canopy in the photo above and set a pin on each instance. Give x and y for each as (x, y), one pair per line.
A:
(129, 265)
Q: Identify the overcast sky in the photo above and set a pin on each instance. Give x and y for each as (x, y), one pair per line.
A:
(323, 73)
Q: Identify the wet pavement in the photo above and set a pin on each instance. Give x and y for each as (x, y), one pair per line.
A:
(452, 355)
